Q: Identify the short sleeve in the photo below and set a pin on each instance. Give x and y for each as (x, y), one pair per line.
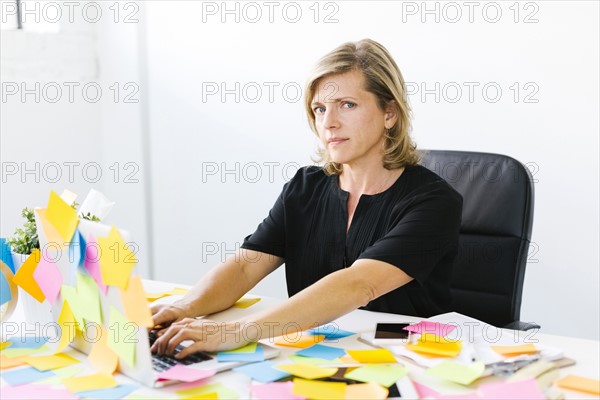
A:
(425, 236)
(269, 236)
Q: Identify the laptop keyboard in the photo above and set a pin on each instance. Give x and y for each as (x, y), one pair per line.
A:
(164, 362)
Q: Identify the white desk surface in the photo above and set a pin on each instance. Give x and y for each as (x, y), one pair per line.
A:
(585, 352)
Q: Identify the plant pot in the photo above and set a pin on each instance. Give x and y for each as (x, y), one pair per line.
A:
(35, 312)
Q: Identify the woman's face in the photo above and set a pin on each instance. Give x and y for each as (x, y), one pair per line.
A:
(349, 122)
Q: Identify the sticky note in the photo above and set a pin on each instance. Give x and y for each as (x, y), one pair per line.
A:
(173, 292)
(62, 216)
(315, 361)
(102, 357)
(37, 391)
(136, 307)
(183, 373)
(4, 345)
(27, 342)
(89, 298)
(299, 340)
(510, 351)
(249, 348)
(71, 296)
(122, 336)
(385, 375)
(67, 323)
(91, 262)
(6, 255)
(457, 372)
(54, 361)
(321, 351)
(118, 392)
(307, 371)
(24, 276)
(68, 196)
(62, 373)
(527, 389)
(15, 353)
(22, 376)
(48, 231)
(274, 391)
(435, 328)
(262, 371)
(434, 345)
(331, 332)
(49, 279)
(221, 391)
(319, 389)
(5, 294)
(228, 356)
(89, 382)
(76, 253)
(245, 303)
(116, 259)
(368, 390)
(372, 356)
(8, 362)
(580, 383)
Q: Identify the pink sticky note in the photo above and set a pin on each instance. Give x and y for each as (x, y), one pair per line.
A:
(185, 374)
(36, 391)
(49, 279)
(92, 262)
(274, 391)
(528, 389)
(436, 328)
(424, 391)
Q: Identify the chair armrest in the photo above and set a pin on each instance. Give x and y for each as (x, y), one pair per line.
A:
(522, 326)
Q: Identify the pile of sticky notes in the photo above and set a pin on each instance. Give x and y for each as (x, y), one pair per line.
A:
(437, 346)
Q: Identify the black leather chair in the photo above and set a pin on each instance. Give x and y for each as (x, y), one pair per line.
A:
(495, 233)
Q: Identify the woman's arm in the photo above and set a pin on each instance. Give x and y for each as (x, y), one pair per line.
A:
(221, 287)
(331, 297)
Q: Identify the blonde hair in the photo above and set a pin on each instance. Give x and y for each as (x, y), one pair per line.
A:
(382, 78)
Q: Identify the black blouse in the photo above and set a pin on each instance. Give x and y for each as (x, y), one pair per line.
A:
(413, 225)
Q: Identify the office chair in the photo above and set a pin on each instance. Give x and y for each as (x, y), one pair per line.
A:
(495, 232)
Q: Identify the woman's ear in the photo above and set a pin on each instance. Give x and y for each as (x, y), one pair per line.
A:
(391, 114)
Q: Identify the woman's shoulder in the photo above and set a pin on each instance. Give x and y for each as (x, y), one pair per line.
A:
(423, 179)
(307, 179)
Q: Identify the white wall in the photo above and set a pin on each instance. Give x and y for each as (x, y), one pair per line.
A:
(172, 54)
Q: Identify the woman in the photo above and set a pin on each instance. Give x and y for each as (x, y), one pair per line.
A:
(369, 229)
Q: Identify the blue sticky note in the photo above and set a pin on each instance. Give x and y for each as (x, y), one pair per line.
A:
(262, 372)
(22, 376)
(258, 355)
(5, 294)
(27, 342)
(76, 253)
(330, 332)
(6, 255)
(117, 392)
(320, 351)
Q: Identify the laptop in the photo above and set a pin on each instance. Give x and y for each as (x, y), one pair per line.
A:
(146, 366)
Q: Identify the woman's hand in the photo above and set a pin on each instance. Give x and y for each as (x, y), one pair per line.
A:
(207, 336)
(165, 314)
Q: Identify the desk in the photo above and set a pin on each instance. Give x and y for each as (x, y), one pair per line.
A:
(585, 352)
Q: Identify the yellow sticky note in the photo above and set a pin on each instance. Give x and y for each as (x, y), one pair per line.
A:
(363, 391)
(24, 276)
(319, 389)
(8, 362)
(54, 361)
(70, 295)
(434, 345)
(245, 303)
(580, 383)
(50, 233)
(510, 351)
(219, 389)
(62, 216)
(67, 323)
(102, 358)
(136, 308)
(307, 371)
(20, 352)
(456, 372)
(89, 382)
(206, 396)
(116, 260)
(372, 356)
(383, 374)
(4, 345)
(301, 342)
(121, 336)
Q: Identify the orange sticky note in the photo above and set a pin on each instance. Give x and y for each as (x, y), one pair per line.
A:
(8, 362)
(580, 383)
(24, 277)
(319, 389)
(54, 361)
(515, 350)
(116, 260)
(366, 391)
(136, 308)
(372, 356)
(102, 358)
(245, 303)
(67, 323)
(301, 342)
(89, 382)
(434, 345)
(307, 371)
(62, 216)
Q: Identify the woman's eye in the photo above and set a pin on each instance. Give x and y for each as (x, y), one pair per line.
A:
(348, 104)
(319, 110)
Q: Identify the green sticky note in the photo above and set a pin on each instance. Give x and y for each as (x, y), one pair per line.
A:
(458, 373)
(89, 298)
(62, 373)
(249, 348)
(122, 336)
(222, 391)
(19, 352)
(69, 293)
(385, 375)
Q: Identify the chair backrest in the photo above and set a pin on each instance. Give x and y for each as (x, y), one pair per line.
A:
(495, 233)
